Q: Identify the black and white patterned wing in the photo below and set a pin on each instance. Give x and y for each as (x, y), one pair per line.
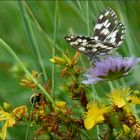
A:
(88, 45)
(109, 29)
(108, 35)
(105, 24)
(117, 35)
(80, 43)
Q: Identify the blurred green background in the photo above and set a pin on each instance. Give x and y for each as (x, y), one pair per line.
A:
(50, 22)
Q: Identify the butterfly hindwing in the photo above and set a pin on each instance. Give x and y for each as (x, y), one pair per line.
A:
(106, 22)
(117, 35)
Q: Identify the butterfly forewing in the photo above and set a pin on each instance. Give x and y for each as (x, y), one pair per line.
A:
(88, 45)
(81, 43)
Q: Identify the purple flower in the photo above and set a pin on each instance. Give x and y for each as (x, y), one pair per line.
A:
(111, 68)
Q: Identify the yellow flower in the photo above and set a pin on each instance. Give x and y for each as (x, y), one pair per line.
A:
(19, 112)
(9, 122)
(94, 115)
(134, 100)
(120, 97)
(10, 119)
(60, 106)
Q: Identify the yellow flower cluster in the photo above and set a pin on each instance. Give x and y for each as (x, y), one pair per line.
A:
(120, 98)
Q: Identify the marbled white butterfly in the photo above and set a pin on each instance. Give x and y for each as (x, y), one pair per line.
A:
(108, 35)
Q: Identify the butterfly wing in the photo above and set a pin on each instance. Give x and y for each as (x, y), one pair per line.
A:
(81, 43)
(117, 35)
(88, 45)
(108, 34)
(105, 24)
(109, 29)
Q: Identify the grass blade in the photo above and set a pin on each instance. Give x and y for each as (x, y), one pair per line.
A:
(31, 39)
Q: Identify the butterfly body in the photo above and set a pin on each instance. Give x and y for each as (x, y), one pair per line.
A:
(108, 35)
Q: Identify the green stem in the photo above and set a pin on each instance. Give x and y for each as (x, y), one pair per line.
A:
(87, 5)
(31, 39)
(53, 50)
(28, 127)
(3, 44)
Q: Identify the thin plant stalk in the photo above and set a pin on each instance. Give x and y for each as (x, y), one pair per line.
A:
(40, 29)
(28, 126)
(53, 49)
(31, 39)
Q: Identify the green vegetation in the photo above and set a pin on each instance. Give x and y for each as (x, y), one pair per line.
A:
(35, 31)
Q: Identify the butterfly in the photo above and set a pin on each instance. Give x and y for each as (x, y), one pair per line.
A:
(108, 34)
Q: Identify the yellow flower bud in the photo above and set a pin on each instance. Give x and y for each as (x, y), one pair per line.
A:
(58, 60)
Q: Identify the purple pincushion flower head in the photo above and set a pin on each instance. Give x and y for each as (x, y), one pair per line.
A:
(111, 68)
